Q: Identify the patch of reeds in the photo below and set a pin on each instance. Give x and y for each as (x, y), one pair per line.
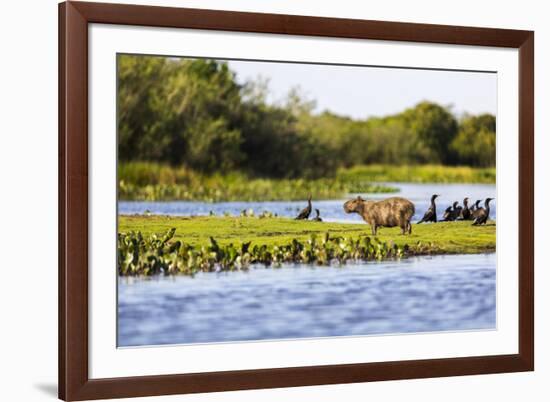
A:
(144, 181)
(417, 174)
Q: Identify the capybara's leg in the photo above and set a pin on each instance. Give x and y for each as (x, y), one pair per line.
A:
(373, 227)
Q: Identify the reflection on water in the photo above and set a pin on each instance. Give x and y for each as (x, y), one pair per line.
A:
(443, 293)
(331, 210)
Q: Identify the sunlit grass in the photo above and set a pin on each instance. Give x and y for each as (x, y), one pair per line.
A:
(419, 174)
(146, 181)
(442, 238)
(154, 182)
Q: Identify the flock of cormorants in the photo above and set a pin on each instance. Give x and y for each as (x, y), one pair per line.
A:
(452, 213)
(456, 212)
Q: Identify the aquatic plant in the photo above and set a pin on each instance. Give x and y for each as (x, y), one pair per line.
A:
(160, 254)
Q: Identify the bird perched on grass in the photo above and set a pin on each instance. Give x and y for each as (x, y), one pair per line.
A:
(304, 213)
(451, 213)
(447, 214)
(466, 213)
(318, 217)
(482, 214)
(431, 213)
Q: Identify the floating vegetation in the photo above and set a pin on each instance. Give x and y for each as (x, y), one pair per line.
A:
(161, 254)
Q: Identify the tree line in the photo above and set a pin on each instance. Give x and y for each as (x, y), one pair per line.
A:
(194, 113)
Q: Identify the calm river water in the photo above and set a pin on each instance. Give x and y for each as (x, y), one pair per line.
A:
(331, 210)
(443, 293)
(420, 294)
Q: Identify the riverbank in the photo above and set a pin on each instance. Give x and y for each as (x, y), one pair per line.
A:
(155, 244)
(450, 237)
(420, 174)
(140, 181)
(143, 181)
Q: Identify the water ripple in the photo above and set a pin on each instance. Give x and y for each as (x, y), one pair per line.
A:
(445, 293)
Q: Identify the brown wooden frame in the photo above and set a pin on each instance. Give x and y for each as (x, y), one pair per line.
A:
(74, 383)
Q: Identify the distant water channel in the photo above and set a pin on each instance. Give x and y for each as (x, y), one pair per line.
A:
(420, 294)
(331, 210)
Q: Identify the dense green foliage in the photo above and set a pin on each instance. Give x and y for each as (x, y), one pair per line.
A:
(176, 111)
(193, 113)
(158, 255)
(170, 245)
(475, 143)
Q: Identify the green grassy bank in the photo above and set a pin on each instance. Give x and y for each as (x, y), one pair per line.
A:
(419, 174)
(153, 182)
(448, 237)
(187, 245)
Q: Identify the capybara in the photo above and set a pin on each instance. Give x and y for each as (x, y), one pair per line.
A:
(391, 212)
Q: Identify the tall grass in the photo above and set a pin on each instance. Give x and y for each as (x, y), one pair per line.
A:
(155, 182)
(418, 174)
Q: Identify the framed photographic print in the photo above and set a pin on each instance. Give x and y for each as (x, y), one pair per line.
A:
(259, 200)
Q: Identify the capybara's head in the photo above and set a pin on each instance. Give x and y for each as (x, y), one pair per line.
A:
(354, 205)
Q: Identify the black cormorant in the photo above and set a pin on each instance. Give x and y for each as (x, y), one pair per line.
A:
(304, 213)
(447, 214)
(451, 213)
(431, 213)
(482, 214)
(466, 213)
(475, 206)
(318, 217)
